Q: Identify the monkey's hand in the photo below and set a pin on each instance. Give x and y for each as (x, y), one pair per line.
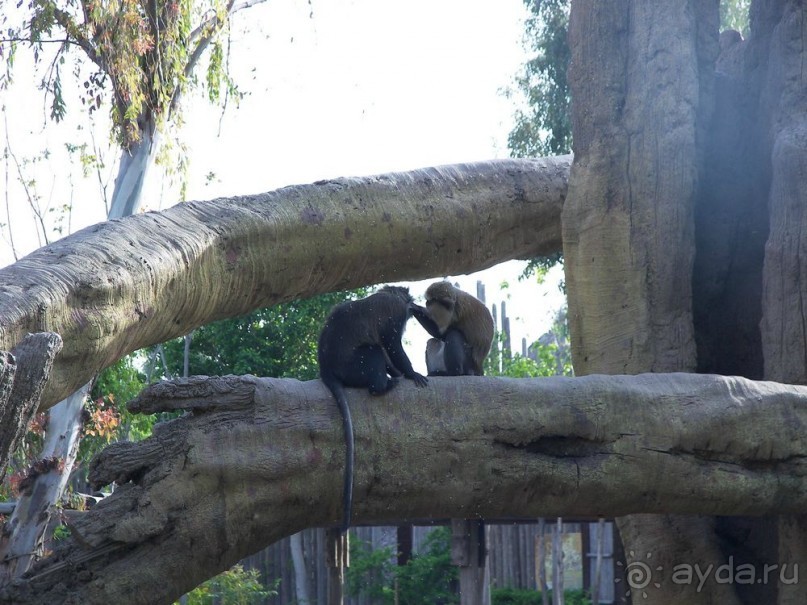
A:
(424, 319)
(419, 379)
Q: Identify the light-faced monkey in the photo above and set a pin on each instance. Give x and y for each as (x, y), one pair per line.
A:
(462, 326)
(360, 346)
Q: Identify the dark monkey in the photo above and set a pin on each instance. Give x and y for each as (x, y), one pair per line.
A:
(462, 328)
(360, 346)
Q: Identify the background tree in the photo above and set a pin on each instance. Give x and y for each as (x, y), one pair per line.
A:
(542, 124)
(279, 341)
(142, 57)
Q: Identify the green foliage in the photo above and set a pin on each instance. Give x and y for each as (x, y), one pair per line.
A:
(115, 386)
(61, 532)
(233, 587)
(734, 15)
(524, 367)
(279, 341)
(543, 124)
(428, 578)
(538, 267)
(370, 573)
(518, 596)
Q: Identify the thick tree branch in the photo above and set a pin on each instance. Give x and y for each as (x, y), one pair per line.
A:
(121, 285)
(259, 459)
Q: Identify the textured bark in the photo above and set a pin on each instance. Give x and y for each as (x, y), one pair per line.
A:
(258, 459)
(122, 285)
(23, 375)
(638, 92)
(642, 87)
(783, 112)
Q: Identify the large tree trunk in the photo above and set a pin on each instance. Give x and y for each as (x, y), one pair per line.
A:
(641, 81)
(748, 281)
(259, 459)
(647, 144)
(784, 322)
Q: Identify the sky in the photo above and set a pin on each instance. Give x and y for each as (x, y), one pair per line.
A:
(336, 88)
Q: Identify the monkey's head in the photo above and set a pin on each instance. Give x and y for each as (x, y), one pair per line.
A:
(441, 302)
(399, 292)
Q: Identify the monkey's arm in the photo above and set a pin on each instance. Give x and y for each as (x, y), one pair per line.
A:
(425, 320)
(394, 348)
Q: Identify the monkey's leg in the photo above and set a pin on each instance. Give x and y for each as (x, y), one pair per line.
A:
(370, 370)
(395, 351)
(456, 354)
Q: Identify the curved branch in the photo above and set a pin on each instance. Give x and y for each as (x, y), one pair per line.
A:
(260, 458)
(125, 284)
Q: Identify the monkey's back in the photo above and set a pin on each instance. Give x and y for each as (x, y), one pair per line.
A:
(355, 323)
(476, 323)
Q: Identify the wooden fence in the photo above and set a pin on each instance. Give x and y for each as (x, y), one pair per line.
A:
(511, 558)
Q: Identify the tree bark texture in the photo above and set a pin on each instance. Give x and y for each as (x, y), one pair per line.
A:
(642, 86)
(639, 90)
(659, 123)
(784, 113)
(259, 459)
(783, 109)
(24, 372)
(121, 285)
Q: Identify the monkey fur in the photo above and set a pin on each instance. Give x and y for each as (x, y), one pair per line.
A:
(463, 326)
(360, 346)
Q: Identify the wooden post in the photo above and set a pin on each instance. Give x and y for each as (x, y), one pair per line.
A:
(540, 561)
(595, 583)
(557, 563)
(469, 553)
(337, 560)
(404, 544)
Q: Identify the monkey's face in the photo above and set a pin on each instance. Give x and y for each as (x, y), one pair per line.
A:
(442, 312)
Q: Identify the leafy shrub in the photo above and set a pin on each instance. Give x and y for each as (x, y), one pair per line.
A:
(428, 578)
(519, 596)
(233, 587)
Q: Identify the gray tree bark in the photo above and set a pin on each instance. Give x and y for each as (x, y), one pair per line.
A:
(665, 129)
(24, 372)
(641, 81)
(259, 459)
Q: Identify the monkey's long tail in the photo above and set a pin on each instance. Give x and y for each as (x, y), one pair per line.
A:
(347, 423)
